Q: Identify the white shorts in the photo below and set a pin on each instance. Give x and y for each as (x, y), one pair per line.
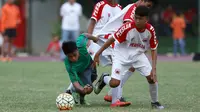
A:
(105, 58)
(141, 64)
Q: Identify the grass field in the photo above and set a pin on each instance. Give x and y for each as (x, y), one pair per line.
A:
(33, 87)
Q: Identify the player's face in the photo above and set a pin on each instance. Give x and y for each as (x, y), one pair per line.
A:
(140, 21)
(72, 1)
(73, 57)
(148, 4)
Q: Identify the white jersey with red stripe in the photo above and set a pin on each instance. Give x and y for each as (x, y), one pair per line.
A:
(127, 14)
(102, 13)
(131, 42)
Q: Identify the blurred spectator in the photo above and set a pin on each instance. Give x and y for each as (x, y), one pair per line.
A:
(178, 25)
(70, 12)
(167, 18)
(54, 47)
(189, 17)
(1, 43)
(10, 18)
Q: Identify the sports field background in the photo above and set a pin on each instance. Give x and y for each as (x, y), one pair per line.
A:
(34, 86)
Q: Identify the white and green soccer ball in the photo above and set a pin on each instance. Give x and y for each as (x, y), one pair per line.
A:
(65, 101)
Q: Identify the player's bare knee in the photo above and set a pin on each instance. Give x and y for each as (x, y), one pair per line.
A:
(114, 83)
(132, 69)
(150, 81)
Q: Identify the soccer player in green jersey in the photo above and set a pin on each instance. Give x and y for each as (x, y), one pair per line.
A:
(78, 63)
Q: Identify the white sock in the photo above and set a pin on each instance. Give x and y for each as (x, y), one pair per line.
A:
(110, 92)
(107, 79)
(119, 95)
(71, 87)
(126, 77)
(114, 94)
(153, 89)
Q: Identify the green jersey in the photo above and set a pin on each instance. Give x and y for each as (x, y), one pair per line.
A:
(75, 69)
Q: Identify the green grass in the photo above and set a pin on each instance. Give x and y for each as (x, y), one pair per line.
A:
(33, 87)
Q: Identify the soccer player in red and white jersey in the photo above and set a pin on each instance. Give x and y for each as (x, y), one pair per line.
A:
(126, 15)
(103, 12)
(132, 40)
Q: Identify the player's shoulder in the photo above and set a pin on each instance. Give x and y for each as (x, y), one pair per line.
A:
(78, 4)
(150, 27)
(119, 6)
(5, 6)
(125, 28)
(101, 3)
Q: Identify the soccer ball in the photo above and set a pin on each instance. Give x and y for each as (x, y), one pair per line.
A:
(65, 101)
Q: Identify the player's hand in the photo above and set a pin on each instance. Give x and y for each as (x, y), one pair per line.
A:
(87, 89)
(96, 39)
(153, 75)
(96, 60)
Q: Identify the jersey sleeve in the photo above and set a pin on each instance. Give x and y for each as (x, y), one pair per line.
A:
(81, 43)
(153, 40)
(121, 34)
(129, 16)
(97, 12)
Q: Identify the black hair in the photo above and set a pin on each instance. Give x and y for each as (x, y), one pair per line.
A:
(153, 1)
(142, 11)
(69, 47)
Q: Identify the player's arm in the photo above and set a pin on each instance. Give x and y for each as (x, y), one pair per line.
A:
(91, 37)
(76, 83)
(96, 16)
(91, 26)
(153, 46)
(119, 36)
(106, 45)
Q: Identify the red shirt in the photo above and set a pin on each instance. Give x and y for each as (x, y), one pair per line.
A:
(53, 46)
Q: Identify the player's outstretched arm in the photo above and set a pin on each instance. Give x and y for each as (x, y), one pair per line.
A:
(105, 46)
(91, 26)
(86, 90)
(91, 37)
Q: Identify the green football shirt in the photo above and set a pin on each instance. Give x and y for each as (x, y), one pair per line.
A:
(75, 69)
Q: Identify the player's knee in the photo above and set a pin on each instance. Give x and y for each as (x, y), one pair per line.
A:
(150, 80)
(132, 69)
(114, 83)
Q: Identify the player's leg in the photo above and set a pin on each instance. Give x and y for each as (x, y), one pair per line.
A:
(124, 79)
(113, 82)
(175, 45)
(144, 67)
(10, 43)
(182, 46)
(128, 73)
(3, 49)
(11, 35)
(86, 78)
